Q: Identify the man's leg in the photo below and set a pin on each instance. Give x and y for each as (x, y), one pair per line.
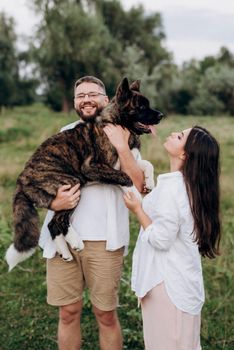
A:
(69, 335)
(102, 270)
(110, 335)
(64, 289)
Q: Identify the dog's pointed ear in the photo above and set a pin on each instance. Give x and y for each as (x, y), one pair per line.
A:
(135, 85)
(123, 91)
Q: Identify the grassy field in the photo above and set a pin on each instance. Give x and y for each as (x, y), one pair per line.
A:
(26, 321)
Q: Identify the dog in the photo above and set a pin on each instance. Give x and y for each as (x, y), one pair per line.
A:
(78, 155)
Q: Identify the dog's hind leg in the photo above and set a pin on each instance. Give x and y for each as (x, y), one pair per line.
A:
(62, 248)
(72, 237)
(62, 232)
(58, 227)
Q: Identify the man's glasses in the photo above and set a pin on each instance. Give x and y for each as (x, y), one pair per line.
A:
(89, 94)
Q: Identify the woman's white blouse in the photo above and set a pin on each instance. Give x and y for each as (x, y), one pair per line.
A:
(166, 250)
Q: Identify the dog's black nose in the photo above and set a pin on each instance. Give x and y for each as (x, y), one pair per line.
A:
(160, 114)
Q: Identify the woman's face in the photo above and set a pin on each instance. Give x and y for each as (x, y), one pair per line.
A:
(175, 143)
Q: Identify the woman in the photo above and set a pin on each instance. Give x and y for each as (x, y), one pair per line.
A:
(180, 222)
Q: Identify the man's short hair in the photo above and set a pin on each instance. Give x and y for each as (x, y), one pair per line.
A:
(90, 79)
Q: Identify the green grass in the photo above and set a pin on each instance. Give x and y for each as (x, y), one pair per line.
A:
(26, 321)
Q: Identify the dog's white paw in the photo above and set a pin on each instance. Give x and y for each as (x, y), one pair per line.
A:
(148, 170)
(62, 248)
(14, 257)
(66, 257)
(149, 183)
(73, 239)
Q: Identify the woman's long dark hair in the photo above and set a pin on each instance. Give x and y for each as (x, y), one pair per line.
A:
(201, 171)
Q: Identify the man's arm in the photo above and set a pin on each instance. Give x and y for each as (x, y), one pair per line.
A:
(67, 198)
(119, 139)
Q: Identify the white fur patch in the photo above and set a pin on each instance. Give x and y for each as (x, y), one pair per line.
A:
(148, 170)
(73, 239)
(14, 257)
(62, 248)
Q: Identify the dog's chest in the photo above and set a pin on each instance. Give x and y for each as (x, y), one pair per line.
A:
(102, 149)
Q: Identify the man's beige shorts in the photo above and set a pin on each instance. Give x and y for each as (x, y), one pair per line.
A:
(94, 267)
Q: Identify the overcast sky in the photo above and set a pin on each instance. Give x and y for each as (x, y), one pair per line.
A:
(194, 28)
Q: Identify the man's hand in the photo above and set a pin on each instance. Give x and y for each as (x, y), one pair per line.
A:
(118, 136)
(67, 198)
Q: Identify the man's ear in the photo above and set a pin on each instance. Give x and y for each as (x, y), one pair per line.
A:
(106, 100)
(123, 91)
(135, 85)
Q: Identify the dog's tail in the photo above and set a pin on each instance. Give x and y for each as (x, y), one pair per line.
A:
(26, 227)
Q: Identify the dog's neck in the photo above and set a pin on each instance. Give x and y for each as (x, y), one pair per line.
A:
(110, 114)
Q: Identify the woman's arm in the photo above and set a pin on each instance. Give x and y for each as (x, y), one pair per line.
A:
(162, 230)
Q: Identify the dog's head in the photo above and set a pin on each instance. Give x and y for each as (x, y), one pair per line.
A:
(134, 111)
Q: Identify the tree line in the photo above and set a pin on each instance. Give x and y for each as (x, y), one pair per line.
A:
(101, 38)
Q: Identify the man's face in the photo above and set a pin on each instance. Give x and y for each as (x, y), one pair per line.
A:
(89, 100)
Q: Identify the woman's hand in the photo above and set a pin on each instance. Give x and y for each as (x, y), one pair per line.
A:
(132, 202)
(67, 198)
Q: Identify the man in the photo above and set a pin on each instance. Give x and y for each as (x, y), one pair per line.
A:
(101, 220)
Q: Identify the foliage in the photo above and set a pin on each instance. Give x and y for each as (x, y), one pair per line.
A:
(78, 38)
(69, 42)
(14, 89)
(27, 322)
(8, 61)
(215, 91)
(101, 38)
(204, 87)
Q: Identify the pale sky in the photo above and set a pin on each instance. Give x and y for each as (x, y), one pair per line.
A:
(194, 28)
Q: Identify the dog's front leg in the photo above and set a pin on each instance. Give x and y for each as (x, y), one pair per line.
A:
(148, 171)
(105, 174)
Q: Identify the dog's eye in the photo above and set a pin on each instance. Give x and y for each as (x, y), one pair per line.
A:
(142, 108)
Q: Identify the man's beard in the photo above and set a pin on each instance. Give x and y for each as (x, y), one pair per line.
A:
(90, 117)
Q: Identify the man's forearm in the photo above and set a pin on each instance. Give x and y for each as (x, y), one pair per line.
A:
(129, 165)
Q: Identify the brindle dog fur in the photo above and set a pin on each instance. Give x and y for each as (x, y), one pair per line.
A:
(78, 155)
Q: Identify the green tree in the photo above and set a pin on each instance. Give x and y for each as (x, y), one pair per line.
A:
(134, 28)
(216, 91)
(70, 43)
(93, 37)
(16, 87)
(8, 61)
(203, 87)
(183, 87)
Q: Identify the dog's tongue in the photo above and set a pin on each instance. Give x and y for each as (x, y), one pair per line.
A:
(152, 129)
